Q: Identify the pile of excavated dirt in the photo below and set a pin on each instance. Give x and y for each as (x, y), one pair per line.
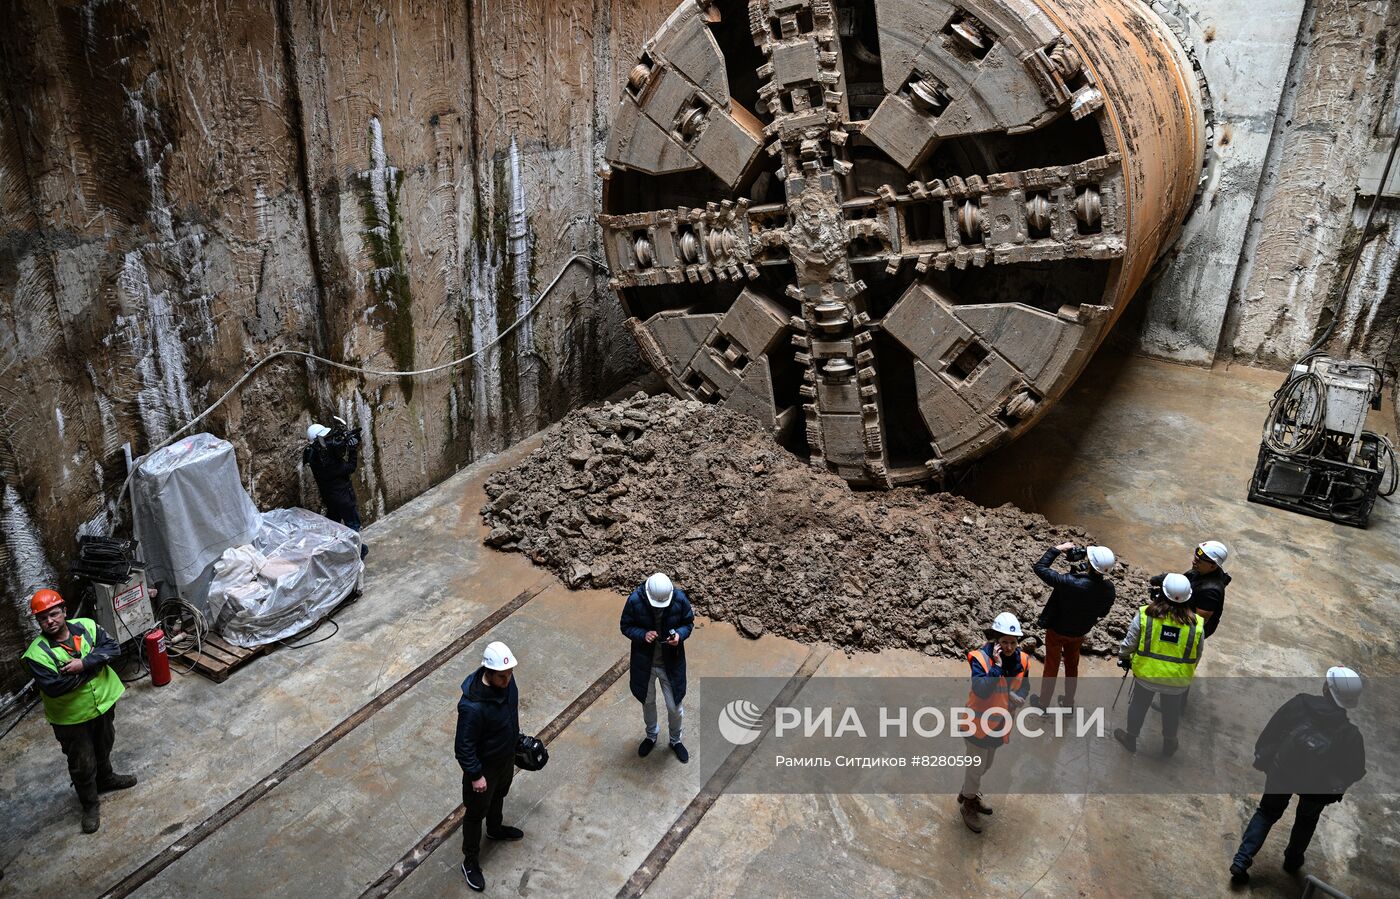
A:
(758, 538)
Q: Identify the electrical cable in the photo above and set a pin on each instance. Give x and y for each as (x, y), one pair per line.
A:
(312, 631)
(1386, 464)
(175, 610)
(1360, 244)
(1289, 401)
(521, 319)
(141, 661)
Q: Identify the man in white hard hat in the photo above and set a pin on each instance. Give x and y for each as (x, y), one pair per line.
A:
(488, 728)
(1163, 646)
(1208, 582)
(1078, 599)
(658, 619)
(1000, 674)
(1311, 748)
(332, 456)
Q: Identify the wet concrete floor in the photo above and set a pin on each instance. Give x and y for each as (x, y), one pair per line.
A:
(1151, 457)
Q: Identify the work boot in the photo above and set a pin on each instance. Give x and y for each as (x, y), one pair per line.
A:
(92, 818)
(1238, 876)
(1128, 740)
(475, 879)
(976, 802)
(969, 815)
(646, 747)
(1066, 701)
(1169, 748)
(505, 833)
(681, 752)
(116, 782)
(1291, 865)
(1036, 702)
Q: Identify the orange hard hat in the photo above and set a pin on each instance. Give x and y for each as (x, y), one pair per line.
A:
(43, 600)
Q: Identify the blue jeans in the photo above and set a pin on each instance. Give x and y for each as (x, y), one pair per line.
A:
(1271, 808)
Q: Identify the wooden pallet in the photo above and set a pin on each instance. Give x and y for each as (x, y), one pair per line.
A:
(217, 658)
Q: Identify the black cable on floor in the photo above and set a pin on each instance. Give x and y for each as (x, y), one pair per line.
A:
(312, 631)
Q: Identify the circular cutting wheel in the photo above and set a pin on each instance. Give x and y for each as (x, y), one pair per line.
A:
(894, 231)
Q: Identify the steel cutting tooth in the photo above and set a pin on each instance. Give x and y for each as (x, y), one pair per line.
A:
(1018, 270)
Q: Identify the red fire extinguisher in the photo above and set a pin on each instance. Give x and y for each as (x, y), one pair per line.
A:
(157, 658)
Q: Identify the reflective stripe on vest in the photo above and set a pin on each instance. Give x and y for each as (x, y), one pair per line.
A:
(89, 699)
(1153, 658)
(998, 698)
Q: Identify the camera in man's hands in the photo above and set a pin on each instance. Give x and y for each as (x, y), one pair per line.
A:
(342, 436)
(670, 635)
(1077, 554)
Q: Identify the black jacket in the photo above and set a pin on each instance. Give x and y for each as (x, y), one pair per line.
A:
(1345, 761)
(638, 617)
(488, 723)
(1208, 594)
(105, 649)
(332, 470)
(1077, 601)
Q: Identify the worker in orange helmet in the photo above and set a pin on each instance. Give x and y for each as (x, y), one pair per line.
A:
(71, 665)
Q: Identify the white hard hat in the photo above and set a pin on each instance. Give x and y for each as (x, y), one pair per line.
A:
(1006, 623)
(1176, 588)
(1345, 686)
(659, 590)
(1101, 559)
(498, 657)
(1215, 551)
(316, 431)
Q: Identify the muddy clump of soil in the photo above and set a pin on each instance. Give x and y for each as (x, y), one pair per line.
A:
(757, 537)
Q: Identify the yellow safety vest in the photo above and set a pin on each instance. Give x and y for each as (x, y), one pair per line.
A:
(1167, 652)
(91, 698)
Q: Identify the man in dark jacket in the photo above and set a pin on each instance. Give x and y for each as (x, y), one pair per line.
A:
(332, 463)
(1078, 599)
(1208, 581)
(658, 620)
(71, 662)
(488, 728)
(1312, 749)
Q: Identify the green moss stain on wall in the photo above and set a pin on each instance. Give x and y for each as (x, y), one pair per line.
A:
(380, 188)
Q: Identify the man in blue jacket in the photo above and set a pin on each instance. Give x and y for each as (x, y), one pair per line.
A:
(488, 728)
(658, 619)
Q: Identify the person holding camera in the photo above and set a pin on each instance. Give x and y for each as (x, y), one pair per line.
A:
(332, 456)
(1000, 679)
(658, 619)
(488, 734)
(1311, 748)
(1163, 646)
(1077, 601)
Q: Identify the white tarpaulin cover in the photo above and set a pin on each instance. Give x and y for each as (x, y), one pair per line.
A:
(189, 506)
(296, 570)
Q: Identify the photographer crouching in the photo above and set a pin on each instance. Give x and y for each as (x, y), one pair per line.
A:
(333, 454)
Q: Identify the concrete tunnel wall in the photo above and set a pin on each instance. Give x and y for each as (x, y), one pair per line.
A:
(186, 187)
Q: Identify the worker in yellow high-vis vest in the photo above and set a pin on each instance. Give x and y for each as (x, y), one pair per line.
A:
(71, 665)
(1163, 646)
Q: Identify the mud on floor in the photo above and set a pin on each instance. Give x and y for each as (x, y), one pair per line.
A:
(758, 538)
